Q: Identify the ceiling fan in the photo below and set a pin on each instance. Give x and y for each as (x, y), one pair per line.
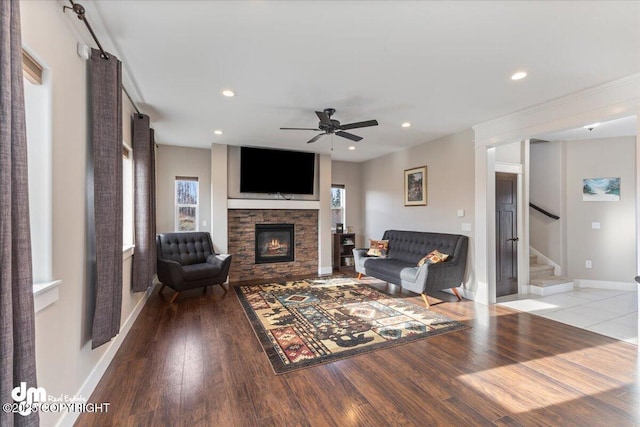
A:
(328, 126)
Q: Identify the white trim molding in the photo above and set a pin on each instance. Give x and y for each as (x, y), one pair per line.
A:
(45, 294)
(272, 204)
(615, 99)
(606, 284)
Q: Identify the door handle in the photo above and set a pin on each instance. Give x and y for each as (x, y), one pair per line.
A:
(513, 239)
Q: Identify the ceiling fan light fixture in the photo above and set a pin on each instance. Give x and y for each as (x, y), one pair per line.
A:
(228, 93)
(406, 125)
(519, 75)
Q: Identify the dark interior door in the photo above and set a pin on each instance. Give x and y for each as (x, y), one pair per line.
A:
(506, 234)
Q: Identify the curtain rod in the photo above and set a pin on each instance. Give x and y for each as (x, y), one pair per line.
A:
(79, 10)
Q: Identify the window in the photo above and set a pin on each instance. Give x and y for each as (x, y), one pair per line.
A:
(37, 100)
(338, 214)
(186, 204)
(127, 197)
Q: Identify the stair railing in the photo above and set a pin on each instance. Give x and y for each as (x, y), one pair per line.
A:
(539, 209)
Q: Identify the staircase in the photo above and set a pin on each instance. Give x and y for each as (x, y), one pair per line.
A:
(542, 280)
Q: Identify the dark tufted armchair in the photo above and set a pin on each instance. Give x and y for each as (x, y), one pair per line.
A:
(187, 261)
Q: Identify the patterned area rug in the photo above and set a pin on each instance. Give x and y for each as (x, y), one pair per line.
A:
(307, 322)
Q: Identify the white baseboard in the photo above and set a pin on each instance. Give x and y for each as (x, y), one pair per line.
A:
(325, 270)
(606, 284)
(552, 290)
(89, 385)
(464, 293)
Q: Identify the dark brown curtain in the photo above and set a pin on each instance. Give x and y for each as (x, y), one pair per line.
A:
(105, 76)
(144, 258)
(17, 330)
(154, 265)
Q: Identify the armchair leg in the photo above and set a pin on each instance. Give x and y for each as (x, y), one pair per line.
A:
(455, 292)
(426, 299)
(174, 297)
(204, 290)
(359, 276)
(161, 289)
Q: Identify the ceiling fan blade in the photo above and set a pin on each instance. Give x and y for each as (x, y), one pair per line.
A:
(318, 130)
(359, 124)
(315, 138)
(324, 118)
(349, 135)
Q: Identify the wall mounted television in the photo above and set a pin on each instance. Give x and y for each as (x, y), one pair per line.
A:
(264, 170)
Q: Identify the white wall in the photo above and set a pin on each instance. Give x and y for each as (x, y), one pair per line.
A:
(509, 153)
(64, 357)
(349, 175)
(612, 248)
(547, 191)
(450, 186)
(174, 161)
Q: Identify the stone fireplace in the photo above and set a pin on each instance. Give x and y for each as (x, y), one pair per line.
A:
(274, 243)
(244, 242)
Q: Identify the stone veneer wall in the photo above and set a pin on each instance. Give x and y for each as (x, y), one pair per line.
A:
(242, 243)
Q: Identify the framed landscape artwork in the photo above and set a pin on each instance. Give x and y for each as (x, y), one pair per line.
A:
(601, 190)
(415, 186)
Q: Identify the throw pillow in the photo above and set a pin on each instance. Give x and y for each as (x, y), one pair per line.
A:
(378, 248)
(434, 257)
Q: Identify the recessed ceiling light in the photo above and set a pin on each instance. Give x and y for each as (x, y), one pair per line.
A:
(217, 132)
(519, 75)
(228, 93)
(351, 147)
(406, 125)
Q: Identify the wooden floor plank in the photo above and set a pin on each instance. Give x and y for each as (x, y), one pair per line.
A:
(197, 362)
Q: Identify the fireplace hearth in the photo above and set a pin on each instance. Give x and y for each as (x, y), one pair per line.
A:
(274, 243)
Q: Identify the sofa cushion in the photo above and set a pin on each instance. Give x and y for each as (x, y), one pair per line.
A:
(200, 271)
(434, 257)
(391, 267)
(378, 248)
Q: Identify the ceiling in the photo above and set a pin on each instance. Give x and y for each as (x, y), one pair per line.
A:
(443, 66)
(626, 126)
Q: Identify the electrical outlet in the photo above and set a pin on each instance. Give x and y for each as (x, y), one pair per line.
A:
(587, 263)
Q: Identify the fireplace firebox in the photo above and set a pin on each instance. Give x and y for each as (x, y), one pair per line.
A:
(274, 243)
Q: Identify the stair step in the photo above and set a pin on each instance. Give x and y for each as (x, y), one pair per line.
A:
(537, 271)
(533, 259)
(550, 281)
(551, 285)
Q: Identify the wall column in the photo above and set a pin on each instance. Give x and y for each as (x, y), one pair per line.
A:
(219, 196)
(324, 217)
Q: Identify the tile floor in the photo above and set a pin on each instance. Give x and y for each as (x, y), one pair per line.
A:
(609, 312)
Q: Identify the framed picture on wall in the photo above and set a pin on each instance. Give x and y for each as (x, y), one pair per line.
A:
(415, 186)
(601, 190)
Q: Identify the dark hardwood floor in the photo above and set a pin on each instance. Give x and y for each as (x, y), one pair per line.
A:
(197, 362)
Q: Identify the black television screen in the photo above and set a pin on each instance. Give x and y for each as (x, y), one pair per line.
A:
(265, 170)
